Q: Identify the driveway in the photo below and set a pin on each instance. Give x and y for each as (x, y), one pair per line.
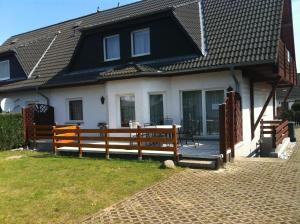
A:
(253, 190)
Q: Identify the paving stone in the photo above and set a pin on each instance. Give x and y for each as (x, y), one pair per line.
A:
(255, 191)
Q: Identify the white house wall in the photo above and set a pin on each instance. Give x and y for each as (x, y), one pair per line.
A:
(171, 87)
(261, 93)
(93, 111)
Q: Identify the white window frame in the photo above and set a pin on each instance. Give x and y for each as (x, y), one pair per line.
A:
(8, 77)
(104, 48)
(132, 42)
(68, 110)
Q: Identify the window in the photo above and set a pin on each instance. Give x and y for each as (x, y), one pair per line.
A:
(157, 109)
(140, 42)
(75, 110)
(4, 70)
(127, 109)
(288, 56)
(111, 46)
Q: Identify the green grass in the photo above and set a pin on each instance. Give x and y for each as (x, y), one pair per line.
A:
(41, 188)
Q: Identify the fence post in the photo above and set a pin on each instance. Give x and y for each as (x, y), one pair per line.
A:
(53, 140)
(175, 144)
(106, 142)
(34, 136)
(78, 141)
(274, 136)
(222, 123)
(232, 126)
(140, 156)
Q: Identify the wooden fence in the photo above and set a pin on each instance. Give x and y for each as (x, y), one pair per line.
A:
(231, 126)
(152, 139)
(278, 130)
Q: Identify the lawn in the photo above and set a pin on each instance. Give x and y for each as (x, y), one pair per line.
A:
(41, 188)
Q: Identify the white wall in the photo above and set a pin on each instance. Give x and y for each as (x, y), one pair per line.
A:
(261, 93)
(93, 111)
(171, 87)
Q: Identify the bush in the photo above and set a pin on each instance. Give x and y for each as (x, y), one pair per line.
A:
(11, 131)
(296, 107)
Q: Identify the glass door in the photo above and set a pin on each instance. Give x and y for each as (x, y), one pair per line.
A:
(213, 99)
(157, 109)
(192, 112)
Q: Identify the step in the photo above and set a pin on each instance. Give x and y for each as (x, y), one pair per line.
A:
(199, 164)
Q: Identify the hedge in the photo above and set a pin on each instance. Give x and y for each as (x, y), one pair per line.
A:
(11, 131)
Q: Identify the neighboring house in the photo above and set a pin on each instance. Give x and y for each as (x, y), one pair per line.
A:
(153, 60)
(290, 95)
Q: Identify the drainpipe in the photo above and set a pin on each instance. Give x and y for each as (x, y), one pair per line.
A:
(43, 95)
(236, 81)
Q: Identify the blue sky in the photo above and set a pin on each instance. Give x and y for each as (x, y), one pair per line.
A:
(17, 16)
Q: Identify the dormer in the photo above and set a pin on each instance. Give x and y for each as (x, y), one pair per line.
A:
(141, 38)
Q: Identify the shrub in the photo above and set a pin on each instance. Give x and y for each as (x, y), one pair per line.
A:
(288, 115)
(296, 107)
(11, 131)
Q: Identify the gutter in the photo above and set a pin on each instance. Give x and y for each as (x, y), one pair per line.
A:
(236, 81)
(43, 95)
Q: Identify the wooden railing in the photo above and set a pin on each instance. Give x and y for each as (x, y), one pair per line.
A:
(231, 126)
(286, 64)
(152, 139)
(277, 129)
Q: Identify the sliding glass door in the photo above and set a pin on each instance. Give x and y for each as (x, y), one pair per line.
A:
(213, 100)
(192, 112)
(200, 112)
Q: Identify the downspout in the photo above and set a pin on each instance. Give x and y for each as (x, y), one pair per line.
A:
(236, 81)
(43, 95)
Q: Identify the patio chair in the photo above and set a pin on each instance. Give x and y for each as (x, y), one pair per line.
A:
(168, 121)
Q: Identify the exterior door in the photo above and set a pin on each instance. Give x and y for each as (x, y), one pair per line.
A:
(157, 109)
(192, 112)
(213, 99)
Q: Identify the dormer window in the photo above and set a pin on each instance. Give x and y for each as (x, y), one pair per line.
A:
(111, 47)
(4, 70)
(140, 42)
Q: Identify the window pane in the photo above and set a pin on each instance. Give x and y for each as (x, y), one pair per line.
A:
(4, 70)
(141, 42)
(192, 112)
(156, 109)
(213, 99)
(112, 47)
(75, 109)
(127, 106)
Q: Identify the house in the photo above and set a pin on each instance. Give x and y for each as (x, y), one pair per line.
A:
(153, 61)
(289, 95)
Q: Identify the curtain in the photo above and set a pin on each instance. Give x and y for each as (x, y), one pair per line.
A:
(156, 109)
(141, 41)
(76, 112)
(4, 70)
(192, 112)
(127, 107)
(213, 99)
(112, 45)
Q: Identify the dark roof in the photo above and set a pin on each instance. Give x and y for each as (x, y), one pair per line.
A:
(235, 32)
(295, 94)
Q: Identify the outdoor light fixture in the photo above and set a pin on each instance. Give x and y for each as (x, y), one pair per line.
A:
(102, 100)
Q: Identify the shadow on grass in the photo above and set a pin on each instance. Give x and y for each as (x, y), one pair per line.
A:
(91, 156)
